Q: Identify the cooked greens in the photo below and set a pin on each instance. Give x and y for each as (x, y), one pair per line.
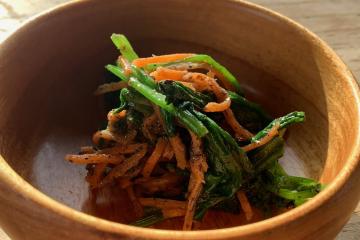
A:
(182, 142)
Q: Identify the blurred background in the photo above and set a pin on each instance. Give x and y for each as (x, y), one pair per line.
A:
(335, 21)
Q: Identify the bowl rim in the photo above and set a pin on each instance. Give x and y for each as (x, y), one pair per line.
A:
(25, 189)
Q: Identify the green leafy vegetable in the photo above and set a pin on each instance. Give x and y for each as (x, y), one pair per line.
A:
(159, 99)
(294, 117)
(177, 93)
(227, 164)
(117, 71)
(202, 58)
(250, 115)
(123, 44)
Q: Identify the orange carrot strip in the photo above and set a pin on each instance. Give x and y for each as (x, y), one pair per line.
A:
(92, 158)
(200, 81)
(218, 107)
(127, 164)
(121, 149)
(198, 167)
(198, 159)
(167, 74)
(245, 205)
(95, 178)
(112, 116)
(154, 157)
(267, 138)
(239, 130)
(179, 150)
(203, 82)
(141, 62)
(191, 207)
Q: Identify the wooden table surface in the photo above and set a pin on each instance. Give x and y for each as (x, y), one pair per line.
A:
(335, 21)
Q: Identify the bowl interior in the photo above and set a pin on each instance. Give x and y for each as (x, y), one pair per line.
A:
(51, 68)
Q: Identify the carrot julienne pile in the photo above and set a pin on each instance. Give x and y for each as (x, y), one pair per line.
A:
(183, 139)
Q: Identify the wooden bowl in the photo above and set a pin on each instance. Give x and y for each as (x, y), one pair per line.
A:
(52, 64)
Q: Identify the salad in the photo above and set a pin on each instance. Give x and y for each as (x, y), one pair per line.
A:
(183, 138)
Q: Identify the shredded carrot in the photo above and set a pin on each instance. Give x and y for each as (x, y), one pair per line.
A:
(91, 158)
(245, 205)
(202, 82)
(127, 164)
(198, 163)
(138, 209)
(179, 150)
(125, 65)
(191, 207)
(198, 168)
(167, 74)
(154, 157)
(199, 82)
(212, 72)
(168, 152)
(95, 178)
(112, 116)
(239, 130)
(141, 62)
(218, 107)
(267, 138)
(122, 149)
(172, 213)
(163, 203)
(110, 87)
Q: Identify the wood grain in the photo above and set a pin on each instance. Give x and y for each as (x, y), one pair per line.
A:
(336, 21)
